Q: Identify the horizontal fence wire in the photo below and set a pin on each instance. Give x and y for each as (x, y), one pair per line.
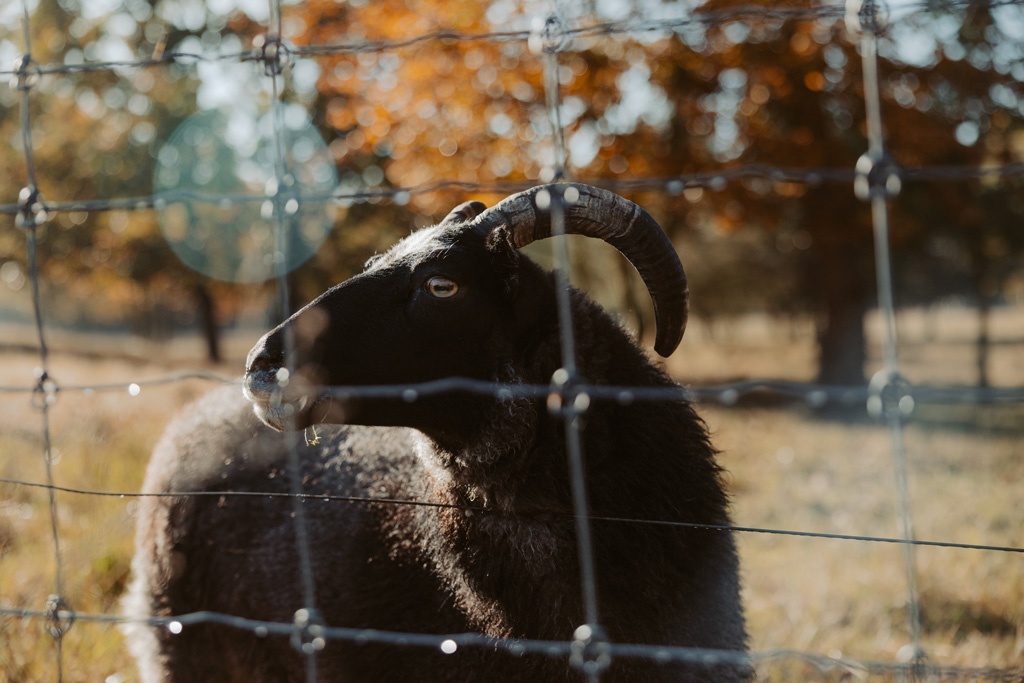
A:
(889, 391)
(368, 500)
(451, 643)
(626, 28)
(726, 394)
(672, 186)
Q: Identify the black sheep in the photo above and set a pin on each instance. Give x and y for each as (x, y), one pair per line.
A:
(494, 548)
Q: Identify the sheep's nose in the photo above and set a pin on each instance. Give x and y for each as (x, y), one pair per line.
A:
(266, 355)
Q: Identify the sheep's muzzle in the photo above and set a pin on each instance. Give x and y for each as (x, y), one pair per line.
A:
(283, 399)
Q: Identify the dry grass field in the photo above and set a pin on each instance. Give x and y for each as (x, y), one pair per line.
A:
(789, 469)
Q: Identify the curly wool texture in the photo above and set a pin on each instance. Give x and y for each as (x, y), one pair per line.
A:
(511, 571)
(464, 524)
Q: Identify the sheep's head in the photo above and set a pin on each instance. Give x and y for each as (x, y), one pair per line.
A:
(453, 300)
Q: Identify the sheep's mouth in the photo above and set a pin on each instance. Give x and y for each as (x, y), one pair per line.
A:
(283, 405)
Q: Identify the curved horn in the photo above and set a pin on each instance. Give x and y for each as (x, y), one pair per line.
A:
(604, 215)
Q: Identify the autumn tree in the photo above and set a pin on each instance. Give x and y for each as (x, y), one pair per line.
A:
(415, 98)
(96, 134)
(800, 105)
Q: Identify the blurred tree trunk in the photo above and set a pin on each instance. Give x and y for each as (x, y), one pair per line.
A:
(841, 335)
(841, 343)
(983, 288)
(208, 321)
(983, 340)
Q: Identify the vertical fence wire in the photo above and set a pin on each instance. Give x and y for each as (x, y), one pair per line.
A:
(571, 404)
(877, 182)
(31, 216)
(306, 638)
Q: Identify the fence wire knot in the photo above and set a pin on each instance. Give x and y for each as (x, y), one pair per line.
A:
(274, 54)
(282, 197)
(26, 73)
(308, 634)
(917, 659)
(32, 210)
(890, 395)
(44, 393)
(549, 34)
(558, 199)
(866, 16)
(59, 616)
(590, 650)
(877, 176)
(567, 399)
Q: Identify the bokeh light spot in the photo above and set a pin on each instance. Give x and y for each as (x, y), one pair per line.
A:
(221, 207)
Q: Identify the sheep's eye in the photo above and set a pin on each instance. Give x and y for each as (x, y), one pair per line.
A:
(442, 287)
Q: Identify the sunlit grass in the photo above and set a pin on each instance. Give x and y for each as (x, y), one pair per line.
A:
(849, 598)
(99, 441)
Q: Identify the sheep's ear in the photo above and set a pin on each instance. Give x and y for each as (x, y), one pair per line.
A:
(464, 212)
(505, 259)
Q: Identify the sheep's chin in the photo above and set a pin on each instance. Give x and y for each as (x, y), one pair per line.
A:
(275, 417)
(284, 416)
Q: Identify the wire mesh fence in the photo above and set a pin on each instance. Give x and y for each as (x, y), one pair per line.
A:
(889, 398)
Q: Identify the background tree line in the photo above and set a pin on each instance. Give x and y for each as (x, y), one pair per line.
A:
(672, 98)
